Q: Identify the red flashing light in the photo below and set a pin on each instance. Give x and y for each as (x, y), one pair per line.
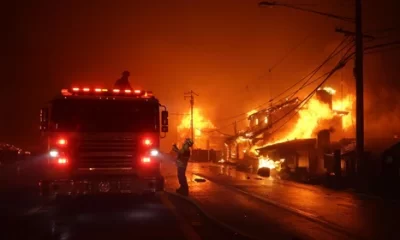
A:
(61, 141)
(146, 160)
(97, 90)
(62, 161)
(116, 90)
(128, 91)
(86, 89)
(137, 91)
(75, 89)
(147, 142)
(104, 90)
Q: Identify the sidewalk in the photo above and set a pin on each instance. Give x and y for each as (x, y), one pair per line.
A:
(365, 215)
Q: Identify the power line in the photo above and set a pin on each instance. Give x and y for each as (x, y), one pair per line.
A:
(333, 54)
(383, 30)
(382, 50)
(326, 61)
(307, 82)
(338, 66)
(290, 52)
(305, 101)
(378, 46)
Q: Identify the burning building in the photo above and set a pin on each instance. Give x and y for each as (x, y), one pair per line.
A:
(205, 134)
(299, 134)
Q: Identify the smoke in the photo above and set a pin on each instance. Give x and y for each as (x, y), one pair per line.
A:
(382, 111)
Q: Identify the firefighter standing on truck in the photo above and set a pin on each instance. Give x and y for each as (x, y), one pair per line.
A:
(181, 162)
(123, 82)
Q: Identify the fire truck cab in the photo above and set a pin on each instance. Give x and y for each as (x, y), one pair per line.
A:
(102, 141)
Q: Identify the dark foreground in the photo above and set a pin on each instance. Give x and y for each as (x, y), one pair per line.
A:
(115, 217)
(225, 204)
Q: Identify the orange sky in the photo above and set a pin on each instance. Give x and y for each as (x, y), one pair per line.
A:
(220, 49)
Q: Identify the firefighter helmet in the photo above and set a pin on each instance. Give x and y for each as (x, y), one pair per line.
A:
(126, 74)
(189, 142)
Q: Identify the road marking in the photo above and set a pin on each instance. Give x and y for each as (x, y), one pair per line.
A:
(186, 228)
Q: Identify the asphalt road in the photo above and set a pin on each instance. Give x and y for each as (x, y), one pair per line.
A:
(165, 216)
(357, 215)
(223, 204)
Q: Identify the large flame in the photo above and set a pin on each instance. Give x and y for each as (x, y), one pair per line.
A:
(266, 162)
(201, 126)
(312, 117)
(314, 114)
(345, 104)
(251, 112)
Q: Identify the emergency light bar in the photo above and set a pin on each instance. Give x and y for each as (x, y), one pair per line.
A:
(86, 91)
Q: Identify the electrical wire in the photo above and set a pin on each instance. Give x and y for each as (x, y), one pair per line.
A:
(339, 66)
(382, 50)
(290, 52)
(336, 52)
(333, 54)
(305, 84)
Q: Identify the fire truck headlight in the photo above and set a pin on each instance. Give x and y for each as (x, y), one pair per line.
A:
(53, 153)
(154, 152)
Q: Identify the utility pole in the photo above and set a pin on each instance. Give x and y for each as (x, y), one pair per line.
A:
(359, 77)
(191, 97)
(359, 62)
(358, 68)
(236, 143)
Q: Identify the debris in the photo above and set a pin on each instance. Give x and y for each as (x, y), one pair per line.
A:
(264, 172)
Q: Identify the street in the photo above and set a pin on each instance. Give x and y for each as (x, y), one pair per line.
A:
(223, 204)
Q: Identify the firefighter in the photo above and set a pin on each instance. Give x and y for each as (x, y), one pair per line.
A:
(123, 82)
(182, 161)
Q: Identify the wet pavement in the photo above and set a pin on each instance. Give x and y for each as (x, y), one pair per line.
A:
(249, 215)
(164, 216)
(226, 204)
(357, 215)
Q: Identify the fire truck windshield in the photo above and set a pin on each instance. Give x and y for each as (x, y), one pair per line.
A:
(94, 115)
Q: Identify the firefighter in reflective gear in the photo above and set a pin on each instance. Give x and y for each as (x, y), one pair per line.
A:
(123, 82)
(181, 162)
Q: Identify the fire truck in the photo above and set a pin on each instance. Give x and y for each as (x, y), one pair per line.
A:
(100, 140)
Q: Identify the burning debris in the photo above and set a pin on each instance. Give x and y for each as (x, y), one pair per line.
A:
(266, 162)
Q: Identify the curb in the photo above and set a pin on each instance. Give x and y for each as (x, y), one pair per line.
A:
(298, 212)
(213, 219)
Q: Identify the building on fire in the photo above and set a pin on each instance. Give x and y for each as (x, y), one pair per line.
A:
(273, 133)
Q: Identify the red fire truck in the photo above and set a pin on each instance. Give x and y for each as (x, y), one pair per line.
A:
(102, 141)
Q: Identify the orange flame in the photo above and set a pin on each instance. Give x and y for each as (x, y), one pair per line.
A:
(346, 104)
(266, 162)
(313, 116)
(201, 126)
